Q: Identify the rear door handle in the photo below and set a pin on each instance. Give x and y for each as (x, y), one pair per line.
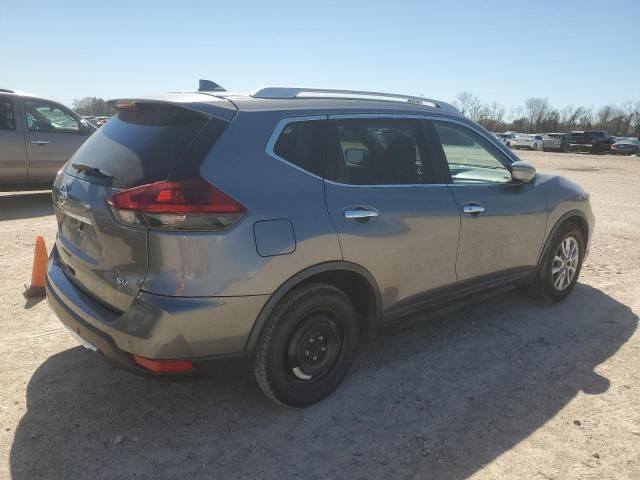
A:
(360, 214)
(473, 209)
(40, 142)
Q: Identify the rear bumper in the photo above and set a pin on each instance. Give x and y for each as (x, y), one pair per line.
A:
(154, 326)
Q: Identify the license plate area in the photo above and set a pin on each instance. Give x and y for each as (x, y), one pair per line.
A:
(81, 235)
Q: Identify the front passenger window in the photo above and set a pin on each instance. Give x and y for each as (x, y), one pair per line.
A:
(47, 117)
(470, 158)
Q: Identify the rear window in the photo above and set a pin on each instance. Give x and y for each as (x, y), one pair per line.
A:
(144, 145)
(302, 144)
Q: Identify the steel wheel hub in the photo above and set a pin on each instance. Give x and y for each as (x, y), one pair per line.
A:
(314, 346)
(565, 263)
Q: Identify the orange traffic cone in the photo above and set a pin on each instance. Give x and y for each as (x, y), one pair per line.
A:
(39, 270)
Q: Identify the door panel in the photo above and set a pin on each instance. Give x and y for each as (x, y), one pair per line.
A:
(13, 160)
(409, 247)
(52, 135)
(502, 223)
(47, 152)
(507, 235)
(393, 214)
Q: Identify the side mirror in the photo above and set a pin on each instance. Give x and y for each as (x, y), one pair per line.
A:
(84, 128)
(522, 172)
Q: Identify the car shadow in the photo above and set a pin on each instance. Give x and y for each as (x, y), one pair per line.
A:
(20, 205)
(439, 399)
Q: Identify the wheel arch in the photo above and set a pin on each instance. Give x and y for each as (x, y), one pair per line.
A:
(575, 216)
(356, 281)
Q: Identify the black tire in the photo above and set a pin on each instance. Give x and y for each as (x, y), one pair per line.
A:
(286, 368)
(542, 287)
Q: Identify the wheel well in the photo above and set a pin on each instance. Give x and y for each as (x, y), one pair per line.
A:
(581, 223)
(359, 291)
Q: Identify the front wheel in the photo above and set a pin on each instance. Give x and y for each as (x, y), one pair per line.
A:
(559, 269)
(307, 345)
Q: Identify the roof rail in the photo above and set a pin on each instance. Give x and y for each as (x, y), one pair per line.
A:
(6, 90)
(297, 92)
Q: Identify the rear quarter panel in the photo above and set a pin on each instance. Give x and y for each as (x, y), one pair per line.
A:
(228, 263)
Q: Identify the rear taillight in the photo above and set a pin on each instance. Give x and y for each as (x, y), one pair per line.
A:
(181, 205)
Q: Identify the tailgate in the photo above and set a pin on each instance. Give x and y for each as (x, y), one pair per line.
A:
(145, 142)
(104, 259)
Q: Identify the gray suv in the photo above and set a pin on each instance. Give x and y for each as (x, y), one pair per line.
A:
(287, 224)
(37, 136)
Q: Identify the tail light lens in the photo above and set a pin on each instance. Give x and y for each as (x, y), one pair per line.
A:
(183, 205)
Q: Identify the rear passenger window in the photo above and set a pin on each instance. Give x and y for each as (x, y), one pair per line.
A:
(302, 144)
(377, 151)
(7, 118)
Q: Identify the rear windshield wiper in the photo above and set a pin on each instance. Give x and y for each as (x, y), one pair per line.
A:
(88, 169)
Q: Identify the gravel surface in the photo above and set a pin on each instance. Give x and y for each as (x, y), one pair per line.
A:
(504, 389)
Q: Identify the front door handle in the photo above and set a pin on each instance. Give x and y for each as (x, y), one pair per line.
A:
(40, 142)
(360, 214)
(473, 209)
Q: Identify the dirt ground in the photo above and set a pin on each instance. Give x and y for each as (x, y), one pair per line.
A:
(506, 389)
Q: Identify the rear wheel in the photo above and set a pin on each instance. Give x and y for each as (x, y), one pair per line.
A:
(307, 345)
(559, 270)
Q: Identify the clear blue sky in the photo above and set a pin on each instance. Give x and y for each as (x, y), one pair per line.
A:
(574, 52)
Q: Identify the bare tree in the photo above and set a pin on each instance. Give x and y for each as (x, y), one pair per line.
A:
(536, 109)
(92, 106)
(493, 116)
(636, 119)
(569, 117)
(630, 111)
(604, 115)
(538, 116)
(586, 119)
(477, 111)
(466, 102)
(497, 112)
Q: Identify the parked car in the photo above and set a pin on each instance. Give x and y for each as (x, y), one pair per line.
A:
(505, 138)
(37, 136)
(594, 141)
(626, 147)
(532, 142)
(100, 121)
(556, 141)
(178, 244)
